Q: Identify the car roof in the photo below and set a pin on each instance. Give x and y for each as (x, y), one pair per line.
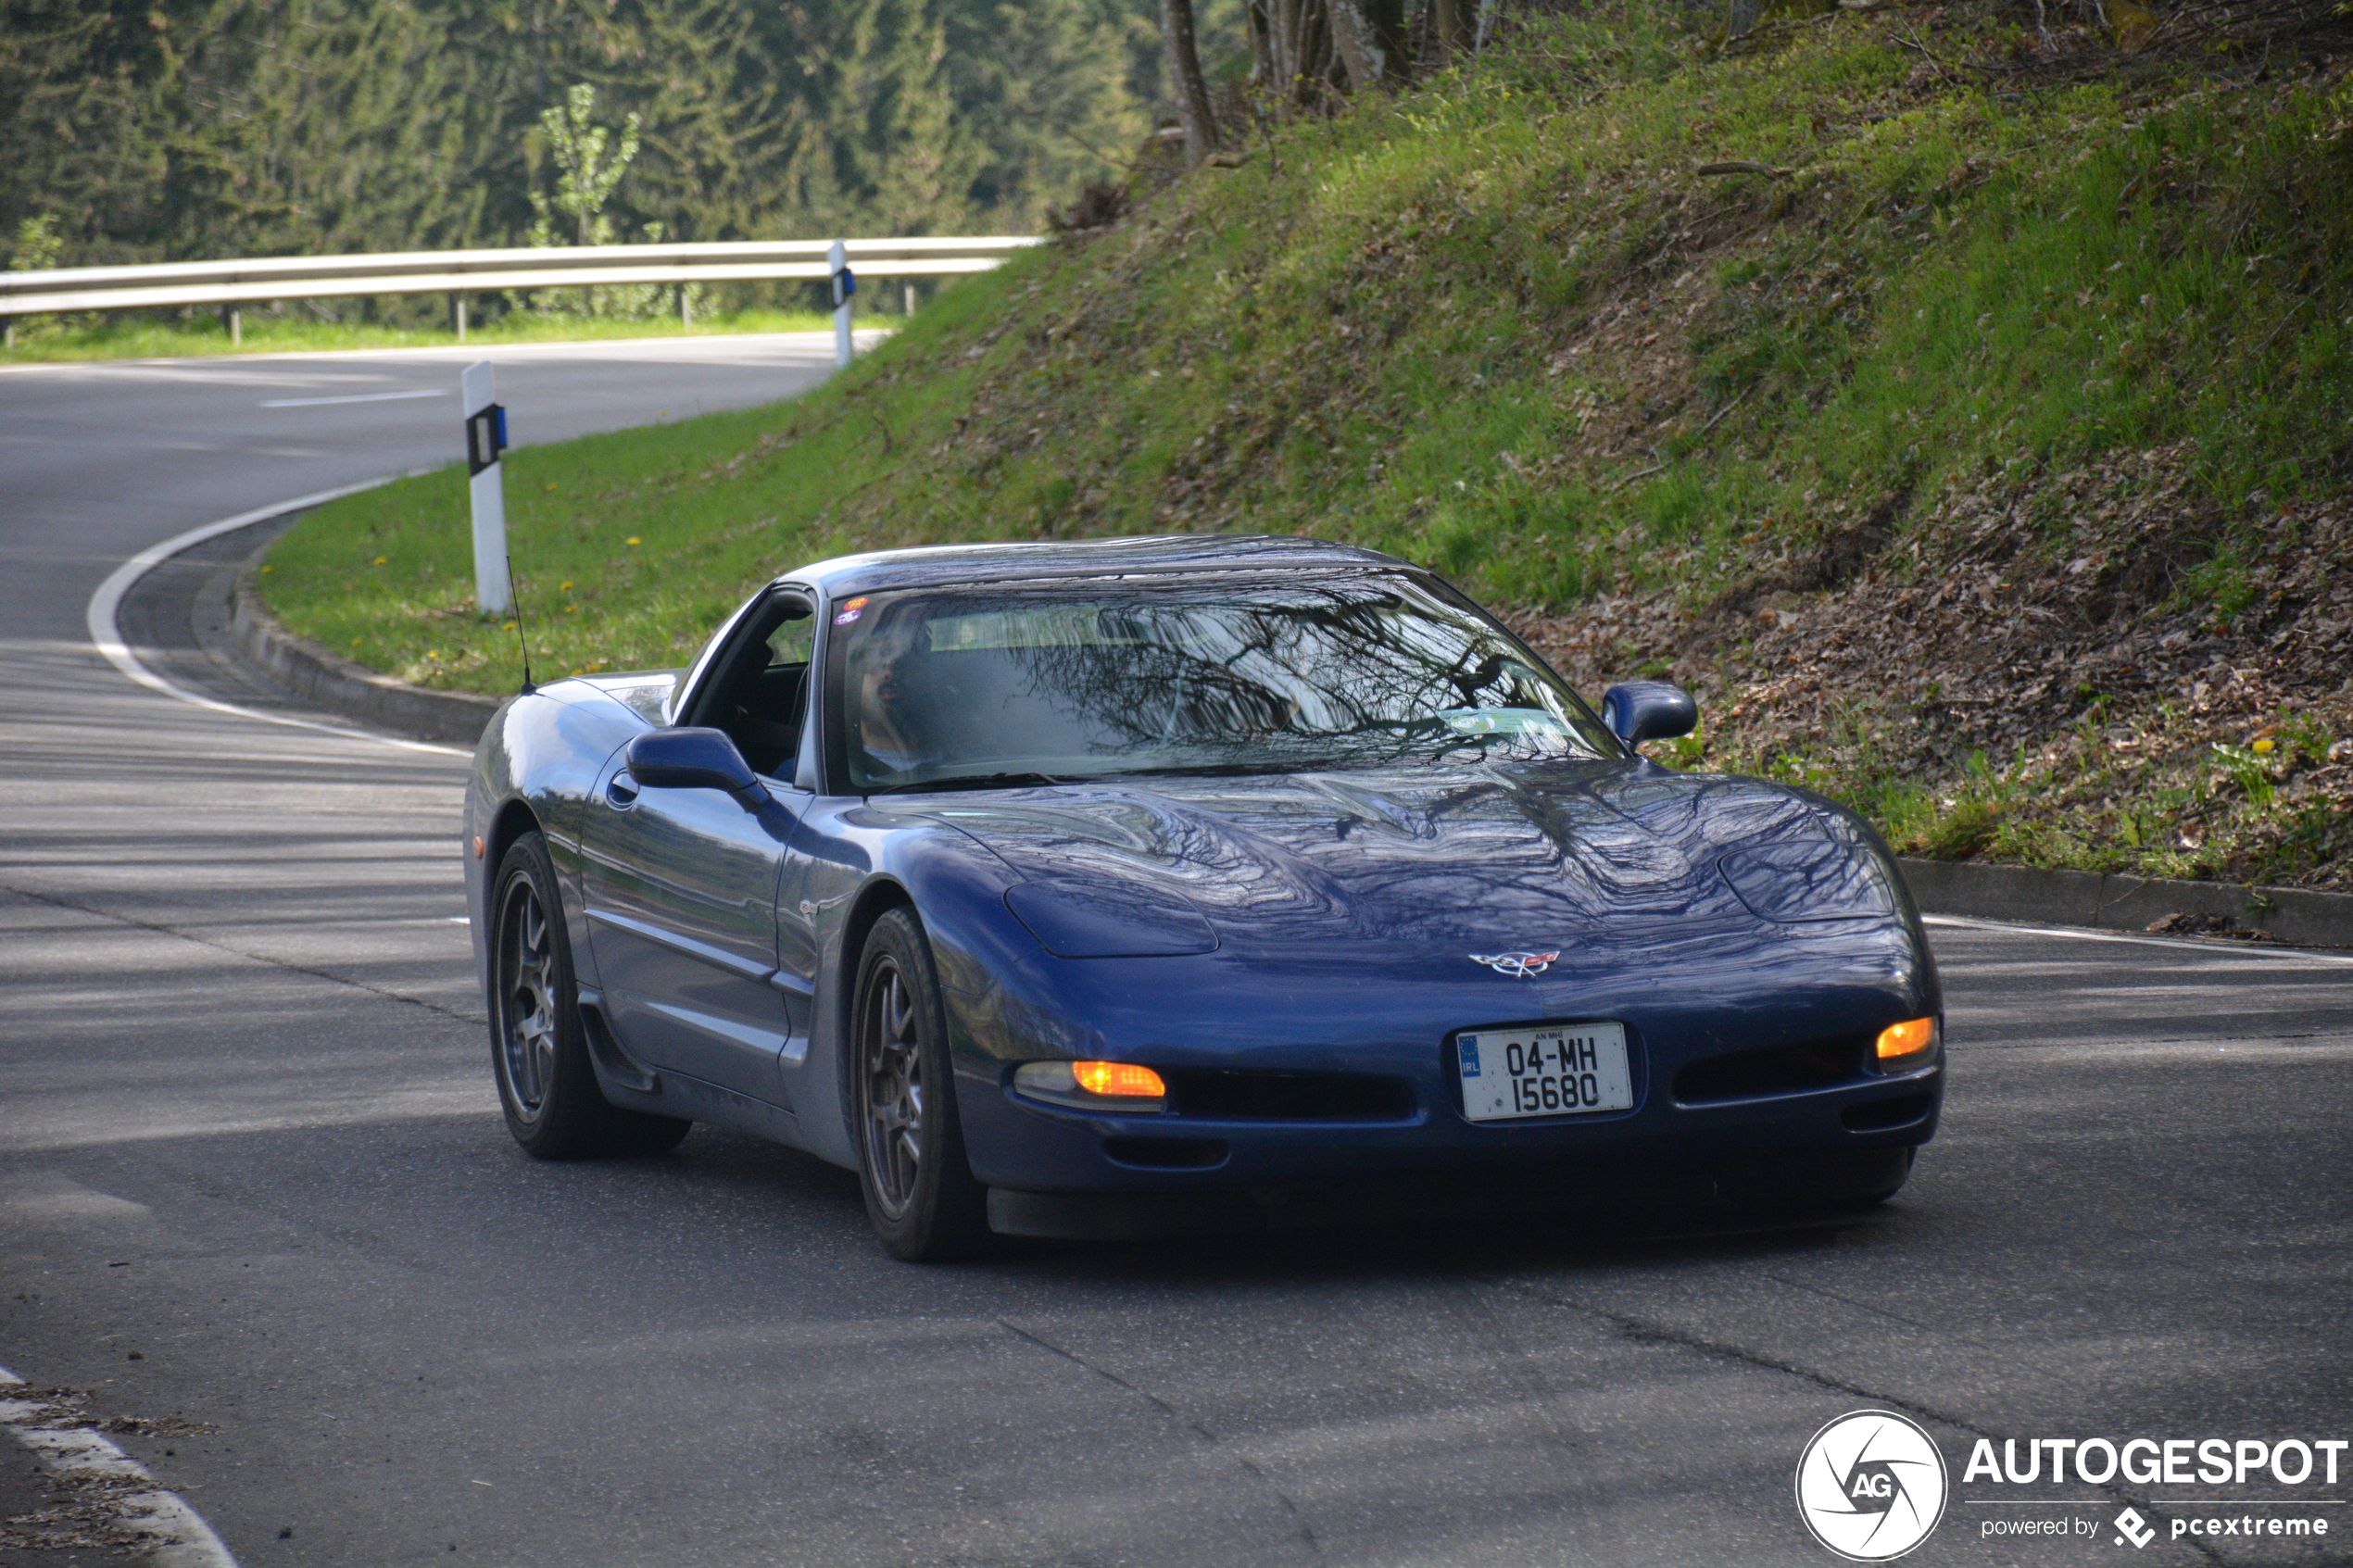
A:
(938, 565)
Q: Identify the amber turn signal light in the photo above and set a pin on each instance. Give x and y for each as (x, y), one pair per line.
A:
(1104, 1085)
(1121, 1078)
(1910, 1037)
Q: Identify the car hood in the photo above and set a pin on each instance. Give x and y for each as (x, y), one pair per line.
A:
(1500, 856)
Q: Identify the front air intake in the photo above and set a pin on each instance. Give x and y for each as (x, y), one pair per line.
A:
(1780, 1069)
(1168, 1154)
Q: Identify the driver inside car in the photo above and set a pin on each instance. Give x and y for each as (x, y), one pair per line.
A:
(885, 725)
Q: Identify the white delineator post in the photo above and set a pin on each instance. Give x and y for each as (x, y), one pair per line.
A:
(485, 438)
(844, 285)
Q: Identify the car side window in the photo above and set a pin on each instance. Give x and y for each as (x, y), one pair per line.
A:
(760, 692)
(792, 641)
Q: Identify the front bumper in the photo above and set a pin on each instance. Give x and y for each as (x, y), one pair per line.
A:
(1197, 1015)
(1021, 1145)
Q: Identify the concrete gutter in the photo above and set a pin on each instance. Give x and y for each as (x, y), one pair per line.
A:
(2115, 902)
(319, 674)
(2102, 900)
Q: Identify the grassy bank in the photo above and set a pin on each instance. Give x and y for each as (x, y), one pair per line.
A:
(1966, 422)
(47, 340)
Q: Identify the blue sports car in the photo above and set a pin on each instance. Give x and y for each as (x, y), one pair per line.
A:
(1124, 886)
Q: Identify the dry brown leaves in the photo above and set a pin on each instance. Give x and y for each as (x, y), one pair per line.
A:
(2016, 610)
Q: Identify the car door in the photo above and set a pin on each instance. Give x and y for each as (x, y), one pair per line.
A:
(681, 885)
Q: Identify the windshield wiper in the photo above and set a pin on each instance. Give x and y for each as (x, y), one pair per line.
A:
(974, 781)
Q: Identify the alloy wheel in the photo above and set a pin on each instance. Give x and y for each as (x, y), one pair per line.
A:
(527, 999)
(892, 1056)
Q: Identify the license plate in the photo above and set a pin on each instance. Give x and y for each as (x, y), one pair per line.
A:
(1509, 1075)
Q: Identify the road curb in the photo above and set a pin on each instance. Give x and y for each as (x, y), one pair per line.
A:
(2113, 901)
(318, 674)
(177, 1534)
(2096, 899)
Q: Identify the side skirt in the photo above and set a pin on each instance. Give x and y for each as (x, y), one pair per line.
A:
(631, 1084)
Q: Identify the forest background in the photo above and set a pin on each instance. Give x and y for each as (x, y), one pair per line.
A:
(140, 131)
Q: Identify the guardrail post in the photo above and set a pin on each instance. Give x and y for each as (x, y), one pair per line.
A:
(485, 438)
(458, 314)
(845, 286)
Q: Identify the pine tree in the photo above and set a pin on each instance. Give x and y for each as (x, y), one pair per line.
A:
(162, 128)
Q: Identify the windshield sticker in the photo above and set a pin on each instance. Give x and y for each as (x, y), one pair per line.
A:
(1502, 721)
(850, 610)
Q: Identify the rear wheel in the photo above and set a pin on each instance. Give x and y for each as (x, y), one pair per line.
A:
(538, 1046)
(918, 1184)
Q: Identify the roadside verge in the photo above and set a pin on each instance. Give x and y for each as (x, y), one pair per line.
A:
(317, 673)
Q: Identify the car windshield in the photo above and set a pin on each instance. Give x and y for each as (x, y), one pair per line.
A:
(1029, 685)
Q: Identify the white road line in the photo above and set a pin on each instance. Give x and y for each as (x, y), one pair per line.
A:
(107, 636)
(2178, 944)
(355, 397)
(181, 1537)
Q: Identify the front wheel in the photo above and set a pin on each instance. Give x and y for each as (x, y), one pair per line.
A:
(919, 1187)
(538, 1046)
(1843, 1183)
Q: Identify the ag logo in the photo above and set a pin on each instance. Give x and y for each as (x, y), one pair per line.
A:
(1870, 1485)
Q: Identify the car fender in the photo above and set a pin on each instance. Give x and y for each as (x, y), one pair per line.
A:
(538, 758)
(1857, 831)
(998, 984)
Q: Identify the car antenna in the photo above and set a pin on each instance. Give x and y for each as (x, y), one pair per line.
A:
(516, 589)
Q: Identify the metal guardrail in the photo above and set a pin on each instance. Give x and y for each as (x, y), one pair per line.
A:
(466, 271)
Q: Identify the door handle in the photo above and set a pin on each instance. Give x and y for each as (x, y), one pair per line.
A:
(622, 790)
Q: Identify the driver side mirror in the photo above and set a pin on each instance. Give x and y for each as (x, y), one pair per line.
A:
(690, 758)
(1641, 711)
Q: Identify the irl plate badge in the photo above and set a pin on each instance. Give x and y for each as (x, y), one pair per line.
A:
(1520, 964)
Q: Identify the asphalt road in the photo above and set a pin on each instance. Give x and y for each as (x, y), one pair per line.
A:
(252, 1172)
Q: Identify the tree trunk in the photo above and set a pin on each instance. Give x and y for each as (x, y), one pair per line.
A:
(1371, 60)
(1307, 66)
(1453, 28)
(1185, 80)
(1388, 17)
(1282, 48)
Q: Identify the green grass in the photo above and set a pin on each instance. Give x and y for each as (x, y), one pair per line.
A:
(44, 340)
(591, 572)
(1499, 325)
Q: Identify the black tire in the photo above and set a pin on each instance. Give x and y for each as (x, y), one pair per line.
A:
(1864, 1181)
(1832, 1183)
(538, 1046)
(919, 1187)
